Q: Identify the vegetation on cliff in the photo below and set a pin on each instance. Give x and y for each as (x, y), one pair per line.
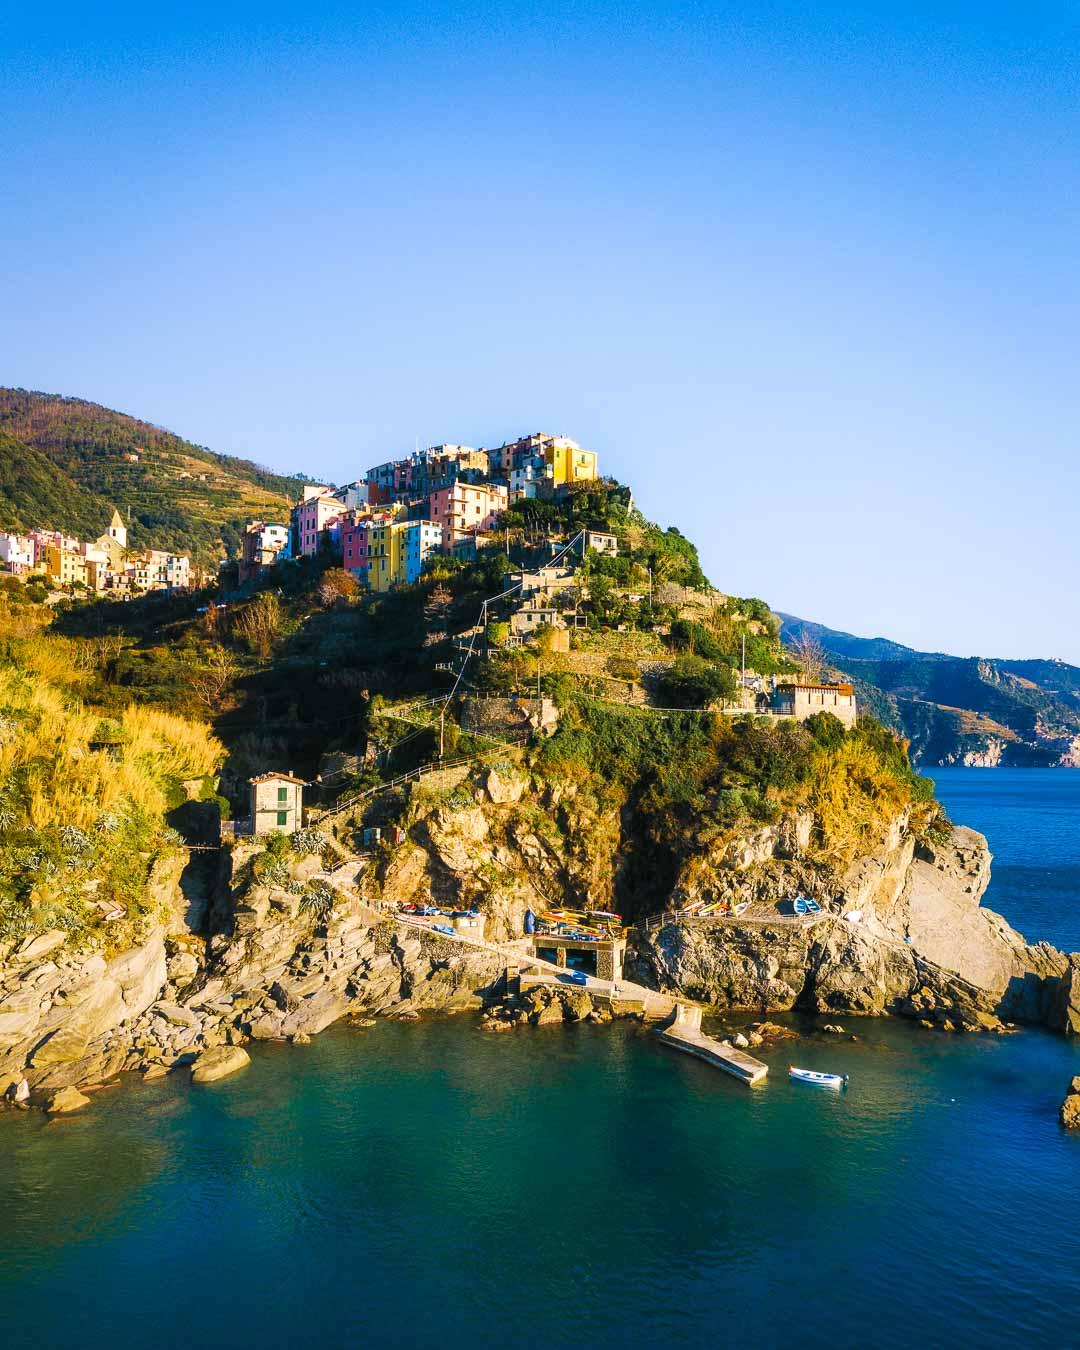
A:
(83, 797)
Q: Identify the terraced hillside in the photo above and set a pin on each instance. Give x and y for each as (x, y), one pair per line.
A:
(64, 464)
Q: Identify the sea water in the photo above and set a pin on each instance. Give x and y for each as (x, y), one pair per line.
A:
(428, 1184)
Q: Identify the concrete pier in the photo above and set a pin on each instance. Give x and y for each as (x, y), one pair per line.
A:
(685, 1033)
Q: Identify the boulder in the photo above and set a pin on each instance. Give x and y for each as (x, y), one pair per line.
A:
(182, 968)
(1070, 1107)
(65, 1101)
(176, 1015)
(218, 1063)
(34, 948)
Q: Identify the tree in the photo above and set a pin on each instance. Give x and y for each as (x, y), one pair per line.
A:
(337, 584)
(260, 624)
(810, 654)
(694, 683)
(209, 681)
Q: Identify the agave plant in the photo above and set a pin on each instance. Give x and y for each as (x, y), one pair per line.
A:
(307, 841)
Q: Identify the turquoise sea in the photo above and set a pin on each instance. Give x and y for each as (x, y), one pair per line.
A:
(426, 1184)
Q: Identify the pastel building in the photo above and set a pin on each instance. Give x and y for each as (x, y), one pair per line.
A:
(421, 538)
(311, 516)
(464, 508)
(566, 462)
(17, 553)
(262, 546)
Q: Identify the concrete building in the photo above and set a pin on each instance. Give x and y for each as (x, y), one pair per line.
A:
(801, 701)
(602, 958)
(353, 496)
(465, 508)
(602, 543)
(529, 618)
(262, 546)
(568, 463)
(17, 554)
(421, 538)
(311, 517)
(277, 803)
(65, 566)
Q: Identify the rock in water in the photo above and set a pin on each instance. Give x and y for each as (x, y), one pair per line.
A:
(65, 1101)
(1070, 1107)
(219, 1063)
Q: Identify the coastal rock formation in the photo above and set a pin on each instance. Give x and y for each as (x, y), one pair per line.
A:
(901, 932)
(1070, 1107)
(218, 1063)
(1065, 1007)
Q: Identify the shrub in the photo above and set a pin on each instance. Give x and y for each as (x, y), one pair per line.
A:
(695, 683)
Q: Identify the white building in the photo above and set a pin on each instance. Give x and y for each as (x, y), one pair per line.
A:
(16, 553)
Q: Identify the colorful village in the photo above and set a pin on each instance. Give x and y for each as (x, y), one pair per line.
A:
(105, 566)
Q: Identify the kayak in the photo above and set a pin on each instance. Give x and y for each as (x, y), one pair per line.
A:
(833, 1080)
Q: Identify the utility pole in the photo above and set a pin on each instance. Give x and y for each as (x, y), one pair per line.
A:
(744, 659)
(442, 730)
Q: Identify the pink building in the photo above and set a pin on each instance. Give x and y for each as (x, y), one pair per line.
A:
(311, 517)
(464, 508)
(355, 547)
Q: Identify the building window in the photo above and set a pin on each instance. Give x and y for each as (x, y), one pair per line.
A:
(283, 794)
(283, 817)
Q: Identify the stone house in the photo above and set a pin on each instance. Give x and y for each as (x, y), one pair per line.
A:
(277, 803)
(804, 700)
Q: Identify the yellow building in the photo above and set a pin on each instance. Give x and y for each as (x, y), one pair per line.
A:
(567, 463)
(63, 566)
(386, 546)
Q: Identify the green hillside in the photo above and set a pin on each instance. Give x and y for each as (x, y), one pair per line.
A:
(32, 493)
(957, 709)
(64, 464)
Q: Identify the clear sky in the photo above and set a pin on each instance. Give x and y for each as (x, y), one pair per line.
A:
(805, 275)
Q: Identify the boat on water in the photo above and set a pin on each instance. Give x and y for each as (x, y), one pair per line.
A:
(833, 1080)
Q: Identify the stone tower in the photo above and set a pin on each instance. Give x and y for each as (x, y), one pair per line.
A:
(117, 529)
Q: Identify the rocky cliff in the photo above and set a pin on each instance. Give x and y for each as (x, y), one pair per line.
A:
(901, 931)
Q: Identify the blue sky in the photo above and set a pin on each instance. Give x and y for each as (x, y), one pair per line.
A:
(804, 275)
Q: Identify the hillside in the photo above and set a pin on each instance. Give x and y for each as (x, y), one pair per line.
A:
(959, 710)
(64, 464)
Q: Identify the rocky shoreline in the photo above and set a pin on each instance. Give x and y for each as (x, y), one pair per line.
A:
(255, 964)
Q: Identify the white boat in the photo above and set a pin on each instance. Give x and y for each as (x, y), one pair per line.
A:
(833, 1080)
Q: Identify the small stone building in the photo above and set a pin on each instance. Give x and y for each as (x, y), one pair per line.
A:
(804, 700)
(277, 803)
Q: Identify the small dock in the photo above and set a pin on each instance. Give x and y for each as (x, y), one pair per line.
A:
(685, 1034)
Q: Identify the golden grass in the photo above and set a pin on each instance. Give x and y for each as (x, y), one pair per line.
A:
(60, 779)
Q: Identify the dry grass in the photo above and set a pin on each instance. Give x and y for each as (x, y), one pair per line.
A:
(48, 759)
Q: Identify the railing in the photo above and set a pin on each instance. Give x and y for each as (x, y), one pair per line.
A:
(413, 775)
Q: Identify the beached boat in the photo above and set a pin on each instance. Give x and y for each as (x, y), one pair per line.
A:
(799, 905)
(833, 1080)
(812, 906)
(741, 908)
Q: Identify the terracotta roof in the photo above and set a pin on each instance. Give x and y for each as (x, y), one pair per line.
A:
(272, 777)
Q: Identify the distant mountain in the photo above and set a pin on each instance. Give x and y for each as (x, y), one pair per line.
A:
(959, 710)
(64, 464)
